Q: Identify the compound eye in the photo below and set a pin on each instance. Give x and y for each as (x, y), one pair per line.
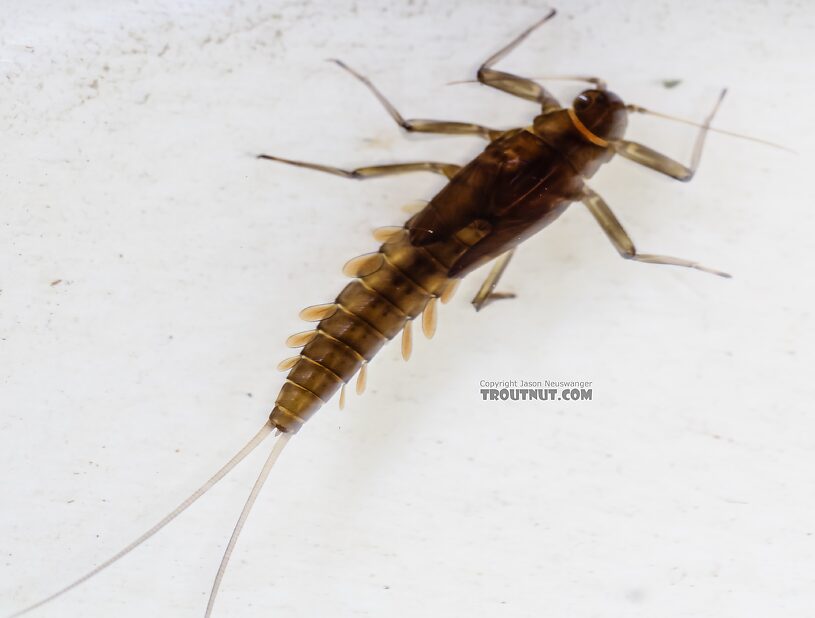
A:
(582, 101)
(588, 98)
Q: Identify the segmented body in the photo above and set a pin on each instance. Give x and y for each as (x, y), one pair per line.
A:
(521, 182)
(403, 281)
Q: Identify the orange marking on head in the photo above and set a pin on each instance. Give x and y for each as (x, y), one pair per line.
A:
(584, 131)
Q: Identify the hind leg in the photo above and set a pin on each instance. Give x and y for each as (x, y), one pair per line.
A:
(486, 293)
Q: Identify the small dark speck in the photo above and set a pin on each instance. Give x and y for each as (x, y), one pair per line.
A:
(56, 282)
(386, 587)
(170, 337)
(671, 83)
(71, 501)
(121, 255)
(248, 394)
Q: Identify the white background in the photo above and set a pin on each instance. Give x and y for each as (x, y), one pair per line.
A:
(685, 488)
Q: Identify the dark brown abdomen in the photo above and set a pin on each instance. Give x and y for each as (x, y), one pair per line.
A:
(370, 310)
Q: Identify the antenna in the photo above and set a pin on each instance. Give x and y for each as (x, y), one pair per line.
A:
(636, 109)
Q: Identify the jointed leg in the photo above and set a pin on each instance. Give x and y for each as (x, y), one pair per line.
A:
(659, 162)
(623, 243)
(513, 84)
(521, 86)
(423, 126)
(445, 169)
(486, 293)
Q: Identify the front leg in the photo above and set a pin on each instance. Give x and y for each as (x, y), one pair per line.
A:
(513, 84)
(418, 125)
(657, 161)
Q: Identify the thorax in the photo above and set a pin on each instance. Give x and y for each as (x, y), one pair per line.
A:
(557, 130)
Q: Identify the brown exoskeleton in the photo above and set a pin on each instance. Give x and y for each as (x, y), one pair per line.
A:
(523, 180)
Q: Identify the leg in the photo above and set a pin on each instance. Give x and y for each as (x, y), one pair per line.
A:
(423, 126)
(486, 293)
(623, 243)
(659, 162)
(445, 169)
(521, 86)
